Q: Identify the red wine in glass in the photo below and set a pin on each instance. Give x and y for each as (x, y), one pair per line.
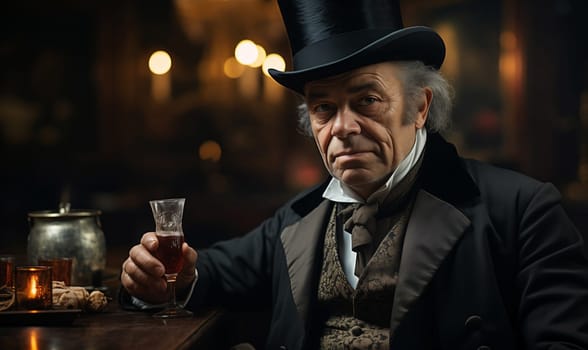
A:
(169, 251)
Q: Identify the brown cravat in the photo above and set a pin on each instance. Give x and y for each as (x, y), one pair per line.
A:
(361, 223)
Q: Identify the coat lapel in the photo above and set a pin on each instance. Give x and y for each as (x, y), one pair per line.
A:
(301, 242)
(433, 229)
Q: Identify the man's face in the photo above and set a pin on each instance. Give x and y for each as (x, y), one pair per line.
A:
(357, 119)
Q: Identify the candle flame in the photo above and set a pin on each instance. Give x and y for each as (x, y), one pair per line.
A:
(33, 290)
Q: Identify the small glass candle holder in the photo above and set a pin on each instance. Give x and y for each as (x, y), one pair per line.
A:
(34, 287)
(6, 282)
(60, 268)
(7, 271)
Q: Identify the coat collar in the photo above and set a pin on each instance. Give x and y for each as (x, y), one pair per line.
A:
(302, 243)
(443, 173)
(433, 229)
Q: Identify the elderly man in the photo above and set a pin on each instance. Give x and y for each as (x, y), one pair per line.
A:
(407, 245)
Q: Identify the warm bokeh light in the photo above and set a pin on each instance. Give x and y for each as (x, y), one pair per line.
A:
(274, 61)
(451, 64)
(260, 57)
(232, 68)
(509, 65)
(210, 150)
(246, 52)
(508, 40)
(160, 62)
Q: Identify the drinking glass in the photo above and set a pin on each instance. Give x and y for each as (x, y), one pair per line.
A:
(7, 271)
(167, 214)
(60, 268)
(6, 281)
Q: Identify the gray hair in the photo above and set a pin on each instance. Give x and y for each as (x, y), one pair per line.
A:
(414, 76)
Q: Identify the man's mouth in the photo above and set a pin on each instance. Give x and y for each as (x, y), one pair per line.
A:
(348, 155)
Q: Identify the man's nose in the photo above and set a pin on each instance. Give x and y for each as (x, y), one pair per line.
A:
(345, 123)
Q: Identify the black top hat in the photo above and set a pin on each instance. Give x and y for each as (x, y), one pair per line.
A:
(329, 37)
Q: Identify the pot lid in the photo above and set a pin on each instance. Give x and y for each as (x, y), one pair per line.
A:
(64, 211)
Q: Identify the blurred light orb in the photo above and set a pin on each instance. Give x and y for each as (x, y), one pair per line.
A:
(246, 52)
(261, 55)
(274, 61)
(210, 150)
(160, 62)
(232, 68)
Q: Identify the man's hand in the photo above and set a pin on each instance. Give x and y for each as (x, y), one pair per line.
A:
(143, 275)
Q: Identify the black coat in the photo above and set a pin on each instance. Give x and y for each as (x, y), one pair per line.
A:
(489, 259)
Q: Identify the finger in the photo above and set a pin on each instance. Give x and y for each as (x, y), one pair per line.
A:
(190, 257)
(144, 262)
(140, 284)
(149, 240)
(139, 276)
(155, 293)
(188, 273)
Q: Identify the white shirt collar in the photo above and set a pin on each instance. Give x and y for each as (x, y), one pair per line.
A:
(339, 192)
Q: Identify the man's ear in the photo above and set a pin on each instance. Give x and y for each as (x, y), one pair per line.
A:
(423, 110)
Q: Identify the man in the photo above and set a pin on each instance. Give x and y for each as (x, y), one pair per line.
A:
(407, 246)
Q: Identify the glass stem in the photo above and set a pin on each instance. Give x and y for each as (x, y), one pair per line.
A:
(172, 296)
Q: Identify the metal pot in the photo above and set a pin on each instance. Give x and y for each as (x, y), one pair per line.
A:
(69, 233)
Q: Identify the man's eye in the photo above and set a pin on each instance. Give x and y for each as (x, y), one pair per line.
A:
(368, 100)
(322, 108)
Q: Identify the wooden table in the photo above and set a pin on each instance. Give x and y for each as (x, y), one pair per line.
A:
(116, 328)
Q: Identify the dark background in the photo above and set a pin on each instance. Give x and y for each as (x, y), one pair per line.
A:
(79, 122)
